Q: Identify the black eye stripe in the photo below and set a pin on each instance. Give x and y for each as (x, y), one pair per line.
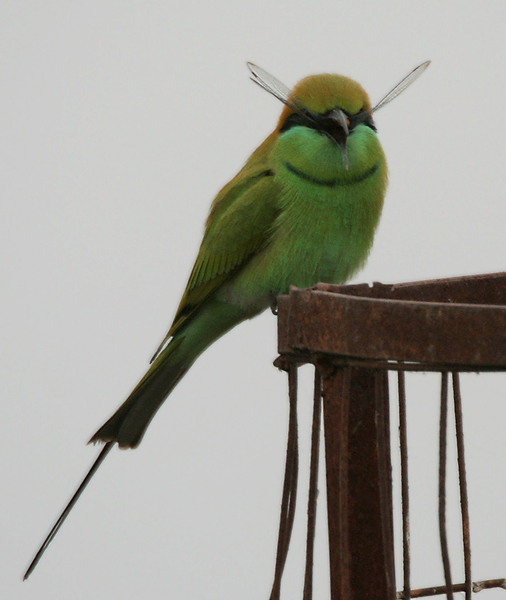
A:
(362, 117)
(298, 120)
(294, 120)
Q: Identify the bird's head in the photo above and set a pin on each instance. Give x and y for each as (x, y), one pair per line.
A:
(328, 108)
(332, 105)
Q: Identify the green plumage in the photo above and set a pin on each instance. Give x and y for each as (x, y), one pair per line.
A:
(294, 215)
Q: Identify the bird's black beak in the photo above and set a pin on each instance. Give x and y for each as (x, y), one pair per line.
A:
(335, 126)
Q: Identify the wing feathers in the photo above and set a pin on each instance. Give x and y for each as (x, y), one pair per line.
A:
(243, 216)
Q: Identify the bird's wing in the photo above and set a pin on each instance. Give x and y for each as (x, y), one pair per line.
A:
(240, 223)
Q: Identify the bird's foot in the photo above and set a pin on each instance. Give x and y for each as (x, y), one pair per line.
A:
(274, 305)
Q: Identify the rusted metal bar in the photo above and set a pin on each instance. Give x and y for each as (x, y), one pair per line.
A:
(387, 365)
(477, 586)
(289, 486)
(360, 333)
(313, 485)
(464, 503)
(382, 328)
(443, 426)
(403, 443)
(489, 288)
(336, 401)
(357, 449)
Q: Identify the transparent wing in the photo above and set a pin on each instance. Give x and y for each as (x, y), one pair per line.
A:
(277, 89)
(400, 87)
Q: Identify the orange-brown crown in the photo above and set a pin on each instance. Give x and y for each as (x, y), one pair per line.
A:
(321, 93)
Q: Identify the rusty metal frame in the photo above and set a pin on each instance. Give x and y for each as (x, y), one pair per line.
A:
(354, 335)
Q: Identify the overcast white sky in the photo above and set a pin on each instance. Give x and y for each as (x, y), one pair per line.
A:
(120, 121)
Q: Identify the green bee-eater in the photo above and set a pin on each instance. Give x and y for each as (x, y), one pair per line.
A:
(303, 209)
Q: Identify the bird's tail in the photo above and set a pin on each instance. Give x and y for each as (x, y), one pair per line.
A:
(128, 424)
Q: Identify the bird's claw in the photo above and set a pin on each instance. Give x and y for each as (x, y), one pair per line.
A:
(274, 305)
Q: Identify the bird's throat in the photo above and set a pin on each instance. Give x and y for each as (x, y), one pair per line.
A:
(335, 181)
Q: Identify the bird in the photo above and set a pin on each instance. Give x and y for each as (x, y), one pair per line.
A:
(303, 209)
